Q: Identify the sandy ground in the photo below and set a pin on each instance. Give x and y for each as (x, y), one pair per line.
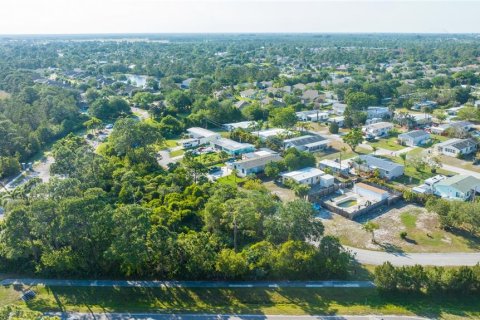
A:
(425, 236)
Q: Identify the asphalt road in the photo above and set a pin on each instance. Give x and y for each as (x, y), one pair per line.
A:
(188, 284)
(409, 259)
(153, 316)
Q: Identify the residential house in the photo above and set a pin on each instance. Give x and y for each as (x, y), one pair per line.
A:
(309, 176)
(424, 105)
(428, 185)
(203, 135)
(249, 93)
(274, 132)
(339, 108)
(414, 138)
(273, 101)
(459, 187)
(255, 162)
(241, 104)
(312, 115)
(378, 112)
(456, 147)
(232, 147)
(369, 192)
(338, 120)
(379, 129)
(309, 96)
(334, 166)
(461, 126)
(386, 168)
(246, 125)
(310, 143)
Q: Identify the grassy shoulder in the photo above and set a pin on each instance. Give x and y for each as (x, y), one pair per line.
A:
(288, 301)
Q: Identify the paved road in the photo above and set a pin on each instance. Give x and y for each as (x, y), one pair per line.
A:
(408, 259)
(154, 316)
(189, 284)
(461, 170)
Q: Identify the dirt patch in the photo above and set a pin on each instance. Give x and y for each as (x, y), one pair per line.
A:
(422, 227)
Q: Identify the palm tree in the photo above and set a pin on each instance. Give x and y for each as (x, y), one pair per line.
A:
(403, 156)
(343, 149)
(370, 227)
(358, 161)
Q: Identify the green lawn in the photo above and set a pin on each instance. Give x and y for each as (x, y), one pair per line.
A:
(231, 180)
(208, 158)
(389, 144)
(287, 301)
(170, 143)
(409, 220)
(345, 155)
(177, 153)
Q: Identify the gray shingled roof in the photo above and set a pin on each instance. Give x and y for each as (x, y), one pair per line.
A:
(304, 140)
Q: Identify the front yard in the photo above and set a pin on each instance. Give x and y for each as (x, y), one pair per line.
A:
(389, 144)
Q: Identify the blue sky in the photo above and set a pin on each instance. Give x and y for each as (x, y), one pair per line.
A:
(168, 16)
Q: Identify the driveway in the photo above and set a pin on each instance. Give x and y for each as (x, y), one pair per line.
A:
(461, 170)
(164, 158)
(409, 259)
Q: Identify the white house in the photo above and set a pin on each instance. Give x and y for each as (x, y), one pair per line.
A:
(428, 186)
(372, 193)
(274, 132)
(309, 176)
(414, 138)
(454, 147)
(239, 125)
(459, 187)
(338, 120)
(387, 169)
(379, 129)
(459, 125)
(199, 136)
(232, 147)
(255, 162)
(334, 166)
(310, 143)
(312, 115)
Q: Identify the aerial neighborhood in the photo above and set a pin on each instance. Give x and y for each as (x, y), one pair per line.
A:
(243, 158)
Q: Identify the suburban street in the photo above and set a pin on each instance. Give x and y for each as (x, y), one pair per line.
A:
(409, 259)
(153, 316)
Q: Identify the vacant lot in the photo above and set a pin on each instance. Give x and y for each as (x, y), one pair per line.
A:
(389, 144)
(422, 227)
(250, 301)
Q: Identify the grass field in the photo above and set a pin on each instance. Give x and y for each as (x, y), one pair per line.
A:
(231, 180)
(177, 153)
(249, 301)
(389, 144)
